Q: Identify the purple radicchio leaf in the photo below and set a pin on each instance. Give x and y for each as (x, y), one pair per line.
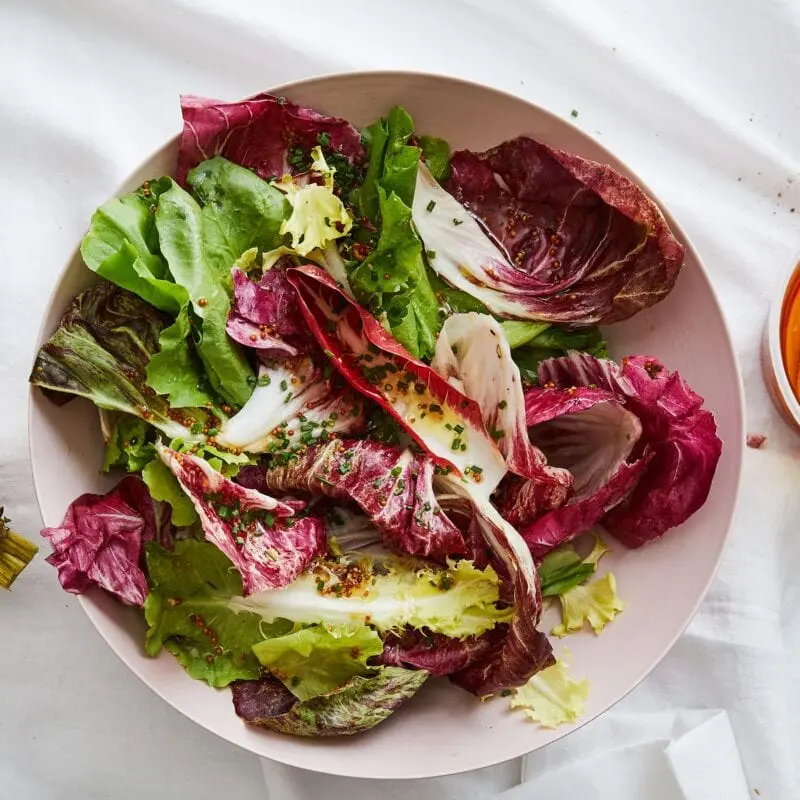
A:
(437, 654)
(679, 441)
(589, 432)
(473, 354)
(258, 133)
(393, 487)
(265, 315)
(524, 649)
(263, 538)
(100, 541)
(578, 241)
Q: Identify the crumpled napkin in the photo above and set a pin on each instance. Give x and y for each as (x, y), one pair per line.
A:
(674, 755)
(670, 755)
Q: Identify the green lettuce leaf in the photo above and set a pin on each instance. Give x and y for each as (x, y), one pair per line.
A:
(179, 222)
(122, 246)
(100, 351)
(187, 613)
(436, 153)
(596, 603)
(394, 281)
(318, 659)
(175, 370)
(551, 697)
(359, 705)
(401, 160)
(164, 486)
(458, 601)
(519, 332)
(130, 444)
(374, 137)
(553, 342)
(240, 211)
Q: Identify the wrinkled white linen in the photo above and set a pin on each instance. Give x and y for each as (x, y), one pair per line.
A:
(700, 99)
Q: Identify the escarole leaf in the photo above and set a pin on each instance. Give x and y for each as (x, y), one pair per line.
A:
(318, 659)
(458, 601)
(130, 444)
(318, 216)
(100, 351)
(359, 705)
(187, 613)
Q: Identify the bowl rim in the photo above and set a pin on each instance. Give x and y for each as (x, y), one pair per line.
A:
(788, 402)
(732, 509)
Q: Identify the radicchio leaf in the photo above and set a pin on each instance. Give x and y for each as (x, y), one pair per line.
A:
(590, 433)
(524, 650)
(292, 405)
(356, 707)
(679, 441)
(100, 541)
(265, 315)
(580, 242)
(258, 533)
(473, 354)
(258, 133)
(438, 417)
(437, 654)
(391, 485)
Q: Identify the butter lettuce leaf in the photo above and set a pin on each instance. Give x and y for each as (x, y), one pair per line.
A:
(164, 486)
(130, 444)
(240, 211)
(187, 613)
(122, 246)
(179, 222)
(318, 659)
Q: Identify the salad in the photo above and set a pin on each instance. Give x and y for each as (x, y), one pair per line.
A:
(363, 417)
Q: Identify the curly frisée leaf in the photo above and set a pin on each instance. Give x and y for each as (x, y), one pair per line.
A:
(596, 602)
(318, 216)
(357, 706)
(458, 601)
(318, 659)
(552, 697)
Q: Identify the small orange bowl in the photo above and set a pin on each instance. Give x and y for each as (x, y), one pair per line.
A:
(778, 360)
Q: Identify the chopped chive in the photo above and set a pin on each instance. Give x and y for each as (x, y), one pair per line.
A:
(431, 205)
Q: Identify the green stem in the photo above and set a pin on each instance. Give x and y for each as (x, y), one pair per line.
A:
(16, 553)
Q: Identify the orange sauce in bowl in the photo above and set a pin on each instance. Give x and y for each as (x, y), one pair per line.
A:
(790, 332)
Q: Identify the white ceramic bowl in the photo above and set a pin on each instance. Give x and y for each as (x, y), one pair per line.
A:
(443, 729)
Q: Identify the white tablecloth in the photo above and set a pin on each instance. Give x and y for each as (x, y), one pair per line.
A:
(701, 99)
